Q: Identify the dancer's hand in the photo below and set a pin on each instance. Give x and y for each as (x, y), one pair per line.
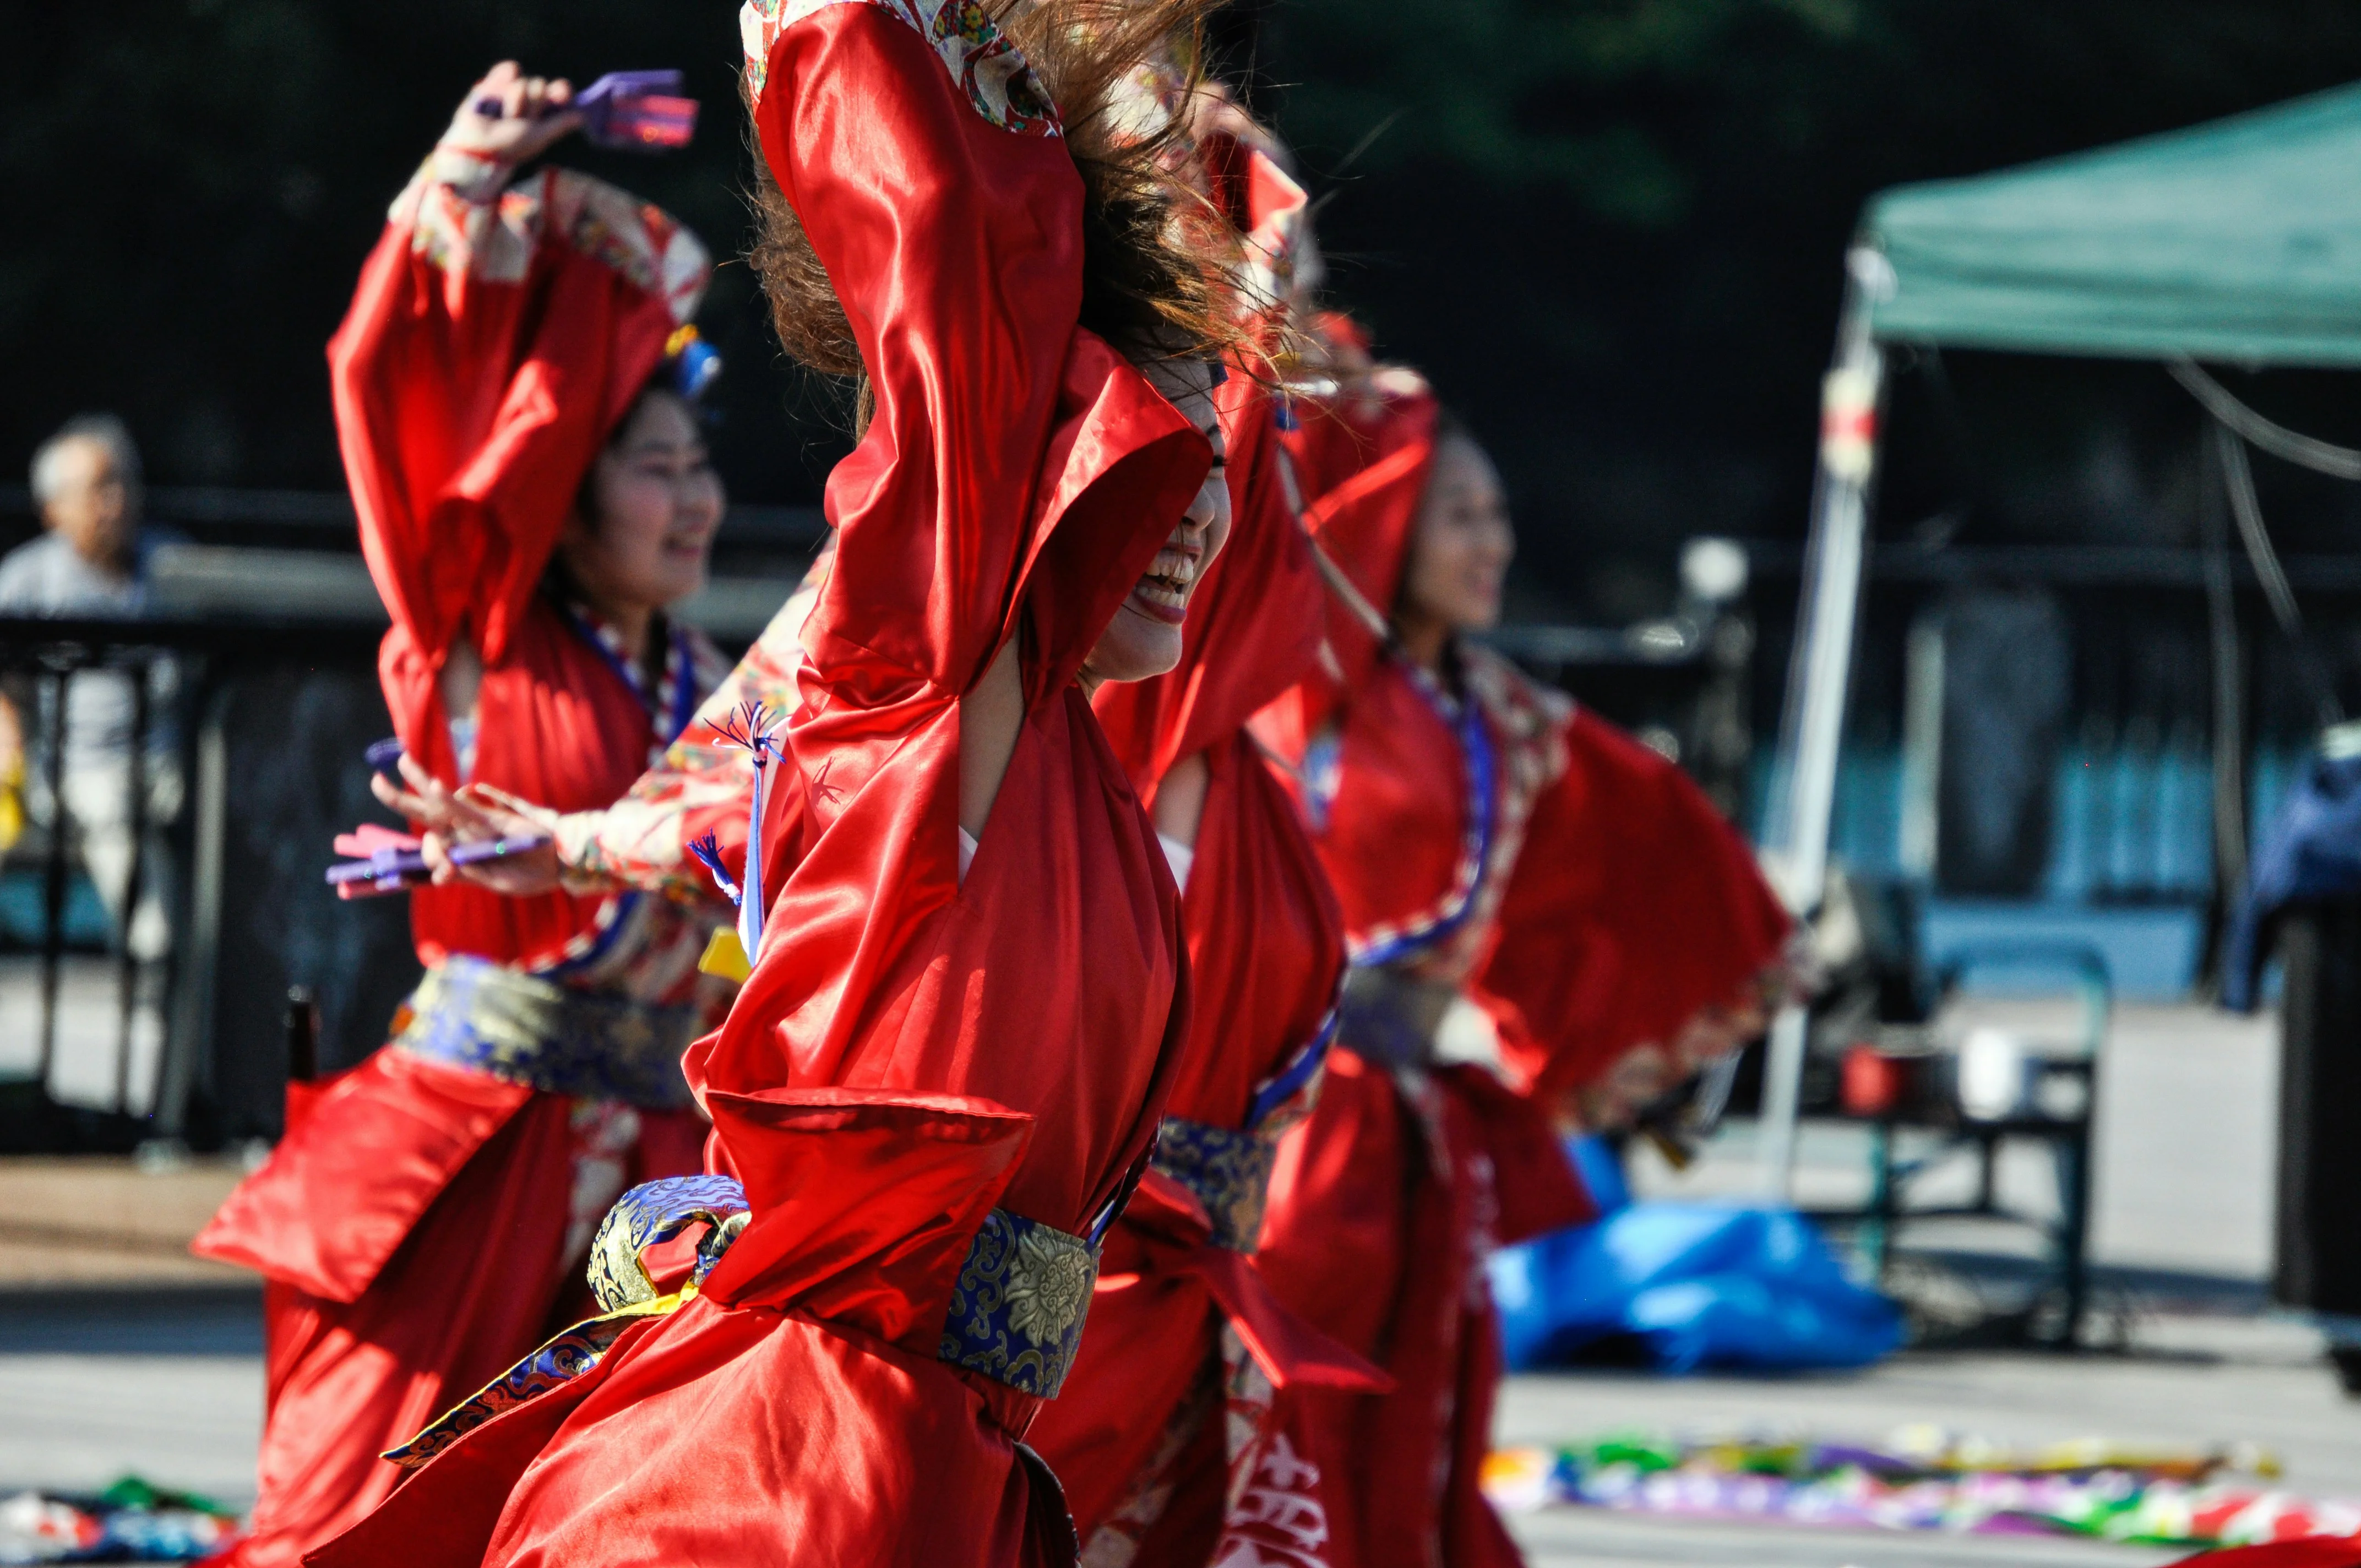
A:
(532, 116)
(474, 815)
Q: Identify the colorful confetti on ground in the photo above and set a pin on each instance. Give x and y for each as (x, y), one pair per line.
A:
(129, 1522)
(1924, 1480)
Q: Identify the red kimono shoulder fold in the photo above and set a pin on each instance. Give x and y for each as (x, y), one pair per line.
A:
(497, 337)
(1018, 476)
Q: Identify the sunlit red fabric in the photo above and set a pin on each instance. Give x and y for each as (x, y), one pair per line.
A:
(469, 408)
(1634, 908)
(1016, 479)
(1614, 906)
(411, 1225)
(1266, 945)
(1362, 461)
(1382, 1209)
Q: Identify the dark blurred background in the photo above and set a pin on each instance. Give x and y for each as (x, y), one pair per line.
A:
(1611, 230)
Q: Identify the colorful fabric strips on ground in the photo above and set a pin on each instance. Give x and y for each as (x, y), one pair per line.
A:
(1922, 1481)
(129, 1522)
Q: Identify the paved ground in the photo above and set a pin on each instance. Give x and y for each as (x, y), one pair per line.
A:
(90, 1062)
(167, 1381)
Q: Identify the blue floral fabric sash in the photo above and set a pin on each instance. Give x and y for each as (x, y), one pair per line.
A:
(1016, 1311)
(553, 1366)
(657, 1211)
(1227, 1169)
(1015, 1314)
(483, 1016)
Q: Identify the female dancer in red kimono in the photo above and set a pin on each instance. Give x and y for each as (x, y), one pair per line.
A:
(532, 490)
(1169, 1417)
(1516, 877)
(947, 1067)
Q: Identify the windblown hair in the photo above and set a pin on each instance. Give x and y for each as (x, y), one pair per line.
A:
(1155, 257)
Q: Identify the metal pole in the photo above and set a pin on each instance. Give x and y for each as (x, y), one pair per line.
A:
(136, 812)
(53, 879)
(191, 1042)
(1803, 798)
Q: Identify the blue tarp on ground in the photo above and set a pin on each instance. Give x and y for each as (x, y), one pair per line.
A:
(1698, 1284)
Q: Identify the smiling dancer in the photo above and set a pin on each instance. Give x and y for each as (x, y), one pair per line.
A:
(1164, 1437)
(516, 392)
(1516, 877)
(945, 1072)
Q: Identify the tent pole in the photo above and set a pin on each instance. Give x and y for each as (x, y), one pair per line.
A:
(1811, 730)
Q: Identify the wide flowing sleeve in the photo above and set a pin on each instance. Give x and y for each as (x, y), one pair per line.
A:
(1633, 908)
(1016, 465)
(497, 334)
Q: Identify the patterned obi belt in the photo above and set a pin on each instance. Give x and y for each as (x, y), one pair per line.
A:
(1228, 1169)
(1016, 1311)
(1015, 1314)
(473, 1014)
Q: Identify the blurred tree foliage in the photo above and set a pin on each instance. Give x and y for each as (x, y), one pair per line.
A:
(1610, 228)
(190, 185)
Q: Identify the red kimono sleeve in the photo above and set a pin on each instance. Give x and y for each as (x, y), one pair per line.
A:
(954, 244)
(1633, 908)
(496, 337)
(1017, 472)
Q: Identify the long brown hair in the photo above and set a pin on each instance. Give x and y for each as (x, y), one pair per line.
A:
(1154, 259)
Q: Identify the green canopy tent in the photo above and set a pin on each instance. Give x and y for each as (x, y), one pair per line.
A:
(2236, 242)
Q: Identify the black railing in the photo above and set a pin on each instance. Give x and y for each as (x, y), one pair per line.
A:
(213, 657)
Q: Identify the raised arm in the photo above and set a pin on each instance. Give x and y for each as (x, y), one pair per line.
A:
(935, 191)
(699, 791)
(501, 329)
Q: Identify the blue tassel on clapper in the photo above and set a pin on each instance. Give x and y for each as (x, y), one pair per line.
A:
(708, 849)
(754, 728)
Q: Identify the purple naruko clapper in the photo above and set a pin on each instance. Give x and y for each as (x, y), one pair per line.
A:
(630, 111)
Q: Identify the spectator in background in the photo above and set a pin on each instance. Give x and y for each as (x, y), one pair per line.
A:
(91, 562)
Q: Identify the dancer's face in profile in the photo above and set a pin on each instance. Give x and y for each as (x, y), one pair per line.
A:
(1460, 552)
(643, 535)
(1144, 639)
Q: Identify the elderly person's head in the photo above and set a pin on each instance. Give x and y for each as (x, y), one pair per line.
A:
(86, 482)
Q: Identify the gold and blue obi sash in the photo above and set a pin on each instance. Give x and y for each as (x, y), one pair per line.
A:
(472, 1013)
(1016, 1311)
(1228, 1169)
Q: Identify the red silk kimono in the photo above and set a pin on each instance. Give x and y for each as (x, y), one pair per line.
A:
(1582, 899)
(1168, 1419)
(2313, 1552)
(421, 1225)
(911, 1051)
